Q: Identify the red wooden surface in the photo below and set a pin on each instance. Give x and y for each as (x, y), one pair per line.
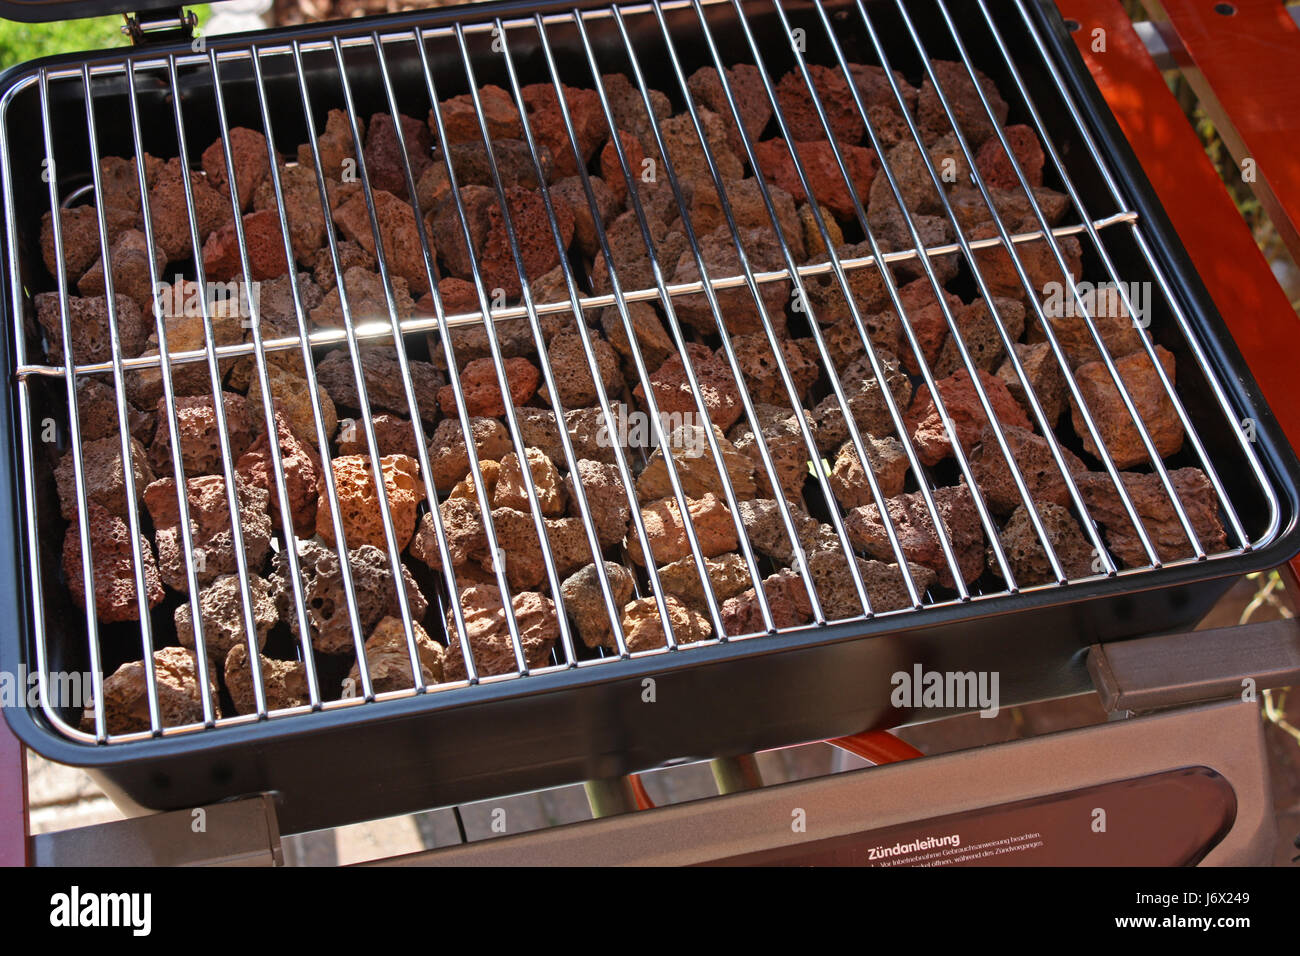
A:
(1249, 55)
(13, 799)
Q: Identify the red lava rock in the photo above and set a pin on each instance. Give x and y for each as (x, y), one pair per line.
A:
(925, 315)
(97, 411)
(284, 683)
(114, 567)
(449, 457)
(672, 390)
(915, 528)
(393, 434)
(747, 91)
(1033, 457)
(736, 307)
(643, 628)
(350, 254)
(359, 507)
(1045, 378)
(169, 216)
(865, 397)
(104, 476)
(574, 383)
(631, 261)
(460, 118)
(996, 168)
(335, 145)
(979, 333)
(883, 111)
(131, 274)
(302, 210)
(301, 464)
(383, 152)
(783, 436)
(963, 405)
(1024, 550)
(1154, 407)
(399, 234)
(249, 157)
(584, 601)
(200, 437)
(606, 497)
(762, 521)
(488, 634)
(1195, 493)
(627, 106)
(963, 99)
(533, 234)
(221, 614)
(265, 243)
(88, 320)
(547, 122)
(447, 228)
(818, 159)
(836, 99)
(367, 300)
(326, 597)
(848, 479)
(611, 170)
(478, 382)
(388, 658)
(787, 600)
(698, 471)
(666, 531)
(210, 528)
(126, 694)
(883, 582)
(79, 231)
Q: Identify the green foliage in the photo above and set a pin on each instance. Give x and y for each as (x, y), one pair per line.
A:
(20, 42)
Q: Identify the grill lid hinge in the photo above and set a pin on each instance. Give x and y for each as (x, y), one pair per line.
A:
(167, 25)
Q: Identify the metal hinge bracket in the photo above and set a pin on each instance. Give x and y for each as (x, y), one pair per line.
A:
(167, 25)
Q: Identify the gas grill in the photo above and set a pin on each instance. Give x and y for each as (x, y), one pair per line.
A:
(600, 714)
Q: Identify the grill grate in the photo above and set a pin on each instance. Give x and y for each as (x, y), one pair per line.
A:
(394, 71)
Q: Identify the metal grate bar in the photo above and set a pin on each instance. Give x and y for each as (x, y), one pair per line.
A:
(408, 385)
(169, 394)
(801, 290)
(281, 490)
(218, 405)
(74, 426)
(566, 442)
(516, 438)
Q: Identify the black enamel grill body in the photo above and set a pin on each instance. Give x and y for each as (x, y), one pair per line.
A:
(433, 749)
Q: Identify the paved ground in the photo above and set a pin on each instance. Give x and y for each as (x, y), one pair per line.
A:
(63, 797)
